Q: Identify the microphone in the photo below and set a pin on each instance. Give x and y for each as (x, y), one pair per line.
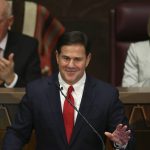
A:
(82, 116)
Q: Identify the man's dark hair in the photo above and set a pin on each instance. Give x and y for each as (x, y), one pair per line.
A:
(74, 37)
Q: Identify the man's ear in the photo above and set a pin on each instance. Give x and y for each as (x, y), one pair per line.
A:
(11, 21)
(88, 59)
(56, 53)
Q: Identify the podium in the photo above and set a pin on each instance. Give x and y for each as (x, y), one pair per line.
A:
(10, 96)
(139, 99)
(137, 108)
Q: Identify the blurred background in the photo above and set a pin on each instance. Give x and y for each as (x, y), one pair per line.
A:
(91, 17)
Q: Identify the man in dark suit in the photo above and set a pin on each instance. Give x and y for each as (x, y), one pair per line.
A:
(19, 60)
(25, 62)
(57, 125)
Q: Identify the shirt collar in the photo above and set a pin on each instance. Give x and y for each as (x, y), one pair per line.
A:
(77, 86)
(3, 42)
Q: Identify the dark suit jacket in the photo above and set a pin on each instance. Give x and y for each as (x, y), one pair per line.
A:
(41, 109)
(26, 58)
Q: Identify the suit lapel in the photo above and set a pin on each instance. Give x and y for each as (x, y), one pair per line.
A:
(53, 97)
(85, 106)
(55, 107)
(10, 45)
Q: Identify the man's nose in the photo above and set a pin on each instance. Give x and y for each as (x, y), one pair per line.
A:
(71, 63)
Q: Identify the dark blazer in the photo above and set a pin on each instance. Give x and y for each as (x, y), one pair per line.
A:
(40, 109)
(26, 58)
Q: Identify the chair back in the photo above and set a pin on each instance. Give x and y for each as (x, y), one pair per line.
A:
(128, 23)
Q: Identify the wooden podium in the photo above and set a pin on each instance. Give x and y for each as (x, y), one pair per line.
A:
(137, 106)
(139, 99)
(136, 101)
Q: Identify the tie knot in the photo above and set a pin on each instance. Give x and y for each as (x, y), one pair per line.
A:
(70, 89)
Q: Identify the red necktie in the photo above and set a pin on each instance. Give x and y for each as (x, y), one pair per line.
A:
(68, 114)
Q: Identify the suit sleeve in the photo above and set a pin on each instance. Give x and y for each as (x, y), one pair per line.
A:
(117, 116)
(20, 131)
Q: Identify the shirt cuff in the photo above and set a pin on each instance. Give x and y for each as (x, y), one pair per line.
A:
(13, 83)
(120, 147)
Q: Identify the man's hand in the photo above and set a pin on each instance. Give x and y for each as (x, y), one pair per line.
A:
(7, 69)
(120, 136)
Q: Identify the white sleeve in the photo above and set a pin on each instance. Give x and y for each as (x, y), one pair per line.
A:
(118, 147)
(131, 68)
(13, 83)
(130, 76)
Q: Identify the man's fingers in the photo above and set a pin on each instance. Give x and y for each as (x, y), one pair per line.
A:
(11, 57)
(121, 127)
(3, 63)
(121, 135)
(7, 62)
(112, 137)
(108, 134)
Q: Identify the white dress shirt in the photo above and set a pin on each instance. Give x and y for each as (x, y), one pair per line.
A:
(77, 93)
(3, 44)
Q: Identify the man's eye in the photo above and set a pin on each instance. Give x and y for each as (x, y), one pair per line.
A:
(66, 58)
(78, 59)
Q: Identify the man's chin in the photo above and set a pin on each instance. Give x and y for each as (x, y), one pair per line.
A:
(71, 80)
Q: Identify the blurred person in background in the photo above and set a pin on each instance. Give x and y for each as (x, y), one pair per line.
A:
(19, 59)
(136, 67)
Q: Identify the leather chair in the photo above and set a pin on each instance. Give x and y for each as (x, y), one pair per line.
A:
(128, 23)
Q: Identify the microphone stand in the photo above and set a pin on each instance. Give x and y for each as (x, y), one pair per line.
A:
(82, 116)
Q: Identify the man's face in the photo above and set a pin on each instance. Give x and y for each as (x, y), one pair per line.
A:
(72, 62)
(5, 23)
